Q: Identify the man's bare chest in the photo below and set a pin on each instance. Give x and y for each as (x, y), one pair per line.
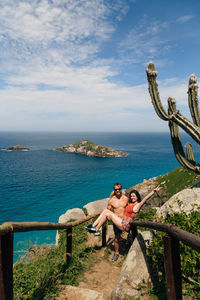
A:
(117, 203)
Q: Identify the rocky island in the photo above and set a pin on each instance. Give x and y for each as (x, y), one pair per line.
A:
(17, 147)
(90, 149)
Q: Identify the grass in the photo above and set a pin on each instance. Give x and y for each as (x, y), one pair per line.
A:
(40, 278)
(178, 180)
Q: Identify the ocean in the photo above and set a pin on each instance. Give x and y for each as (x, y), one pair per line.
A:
(42, 184)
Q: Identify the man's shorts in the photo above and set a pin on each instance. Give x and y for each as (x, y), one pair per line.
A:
(125, 226)
(116, 230)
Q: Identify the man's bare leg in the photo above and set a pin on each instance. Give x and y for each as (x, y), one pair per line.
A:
(116, 245)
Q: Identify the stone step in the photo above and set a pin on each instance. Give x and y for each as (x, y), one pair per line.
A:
(75, 293)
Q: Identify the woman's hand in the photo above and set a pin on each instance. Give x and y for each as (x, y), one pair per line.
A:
(157, 189)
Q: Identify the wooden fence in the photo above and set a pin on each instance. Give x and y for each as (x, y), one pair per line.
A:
(171, 250)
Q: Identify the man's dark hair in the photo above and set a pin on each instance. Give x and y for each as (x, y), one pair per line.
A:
(117, 183)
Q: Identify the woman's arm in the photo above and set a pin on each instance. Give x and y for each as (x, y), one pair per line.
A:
(139, 205)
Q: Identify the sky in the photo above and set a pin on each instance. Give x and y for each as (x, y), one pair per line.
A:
(79, 65)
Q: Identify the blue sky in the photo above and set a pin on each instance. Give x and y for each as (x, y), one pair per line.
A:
(79, 65)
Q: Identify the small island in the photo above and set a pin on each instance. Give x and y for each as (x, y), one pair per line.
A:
(90, 149)
(18, 147)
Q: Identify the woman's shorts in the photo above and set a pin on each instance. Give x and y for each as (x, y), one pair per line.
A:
(126, 223)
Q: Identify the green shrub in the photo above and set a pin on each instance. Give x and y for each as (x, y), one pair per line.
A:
(39, 279)
(145, 215)
(190, 258)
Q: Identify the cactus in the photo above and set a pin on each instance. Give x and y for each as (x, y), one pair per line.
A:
(176, 119)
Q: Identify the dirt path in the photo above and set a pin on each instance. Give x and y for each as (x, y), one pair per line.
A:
(102, 276)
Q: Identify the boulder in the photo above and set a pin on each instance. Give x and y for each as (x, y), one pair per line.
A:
(73, 292)
(135, 269)
(96, 206)
(185, 200)
(75, 214)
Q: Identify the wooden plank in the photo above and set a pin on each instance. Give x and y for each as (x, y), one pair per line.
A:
(68, 245)
(184, 236)
(6, 266)
(187, 238)
(172, 268)
(104, 229)
(33, 226)
(134, 232)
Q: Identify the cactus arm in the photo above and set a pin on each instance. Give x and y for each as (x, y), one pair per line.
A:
(176, 119)
(175, 116)
(190, 154)
(178, 149)
(188, 126)
(153, 90)
(193, 99)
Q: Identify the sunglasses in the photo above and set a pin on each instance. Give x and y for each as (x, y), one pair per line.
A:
(118, 189)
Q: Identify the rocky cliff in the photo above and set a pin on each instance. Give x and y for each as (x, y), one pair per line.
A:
(90, 149)
(17, 147)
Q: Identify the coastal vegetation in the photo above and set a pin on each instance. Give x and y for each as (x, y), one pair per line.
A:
(40, 277)
(177, 180)
(190, 259)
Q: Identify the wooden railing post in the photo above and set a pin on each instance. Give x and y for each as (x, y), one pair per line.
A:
(172, 268)
(6, 266)
(68, 244)
(134, 232)
(104, 229)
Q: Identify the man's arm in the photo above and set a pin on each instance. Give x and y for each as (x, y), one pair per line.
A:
(109, 206)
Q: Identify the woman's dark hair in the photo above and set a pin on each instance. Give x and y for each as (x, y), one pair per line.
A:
(136, 193)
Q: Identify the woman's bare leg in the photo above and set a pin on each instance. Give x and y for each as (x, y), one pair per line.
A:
(102, 218)
(108, 215)
(117, 221)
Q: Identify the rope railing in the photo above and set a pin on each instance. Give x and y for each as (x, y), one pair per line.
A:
(171, 249)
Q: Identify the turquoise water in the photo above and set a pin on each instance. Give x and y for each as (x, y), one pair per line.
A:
(41, 184)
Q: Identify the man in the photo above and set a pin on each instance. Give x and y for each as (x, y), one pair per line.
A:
(118, 203)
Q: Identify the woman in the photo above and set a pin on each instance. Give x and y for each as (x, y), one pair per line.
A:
(131, 210)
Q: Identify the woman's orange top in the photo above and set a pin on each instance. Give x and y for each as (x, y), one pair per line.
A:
(129, 210)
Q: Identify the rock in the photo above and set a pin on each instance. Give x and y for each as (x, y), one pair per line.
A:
(134, 271)
(90, 149)
(75, 214)
(73, 292)
(185, 200)
(17, 147)
(146, 187)
(96, 206)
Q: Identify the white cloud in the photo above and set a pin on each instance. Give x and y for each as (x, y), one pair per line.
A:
(85, 100)
(54, 79)
(146, 40)
(185, 19)
(67, 31)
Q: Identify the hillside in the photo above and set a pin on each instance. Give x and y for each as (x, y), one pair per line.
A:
(89, 261)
